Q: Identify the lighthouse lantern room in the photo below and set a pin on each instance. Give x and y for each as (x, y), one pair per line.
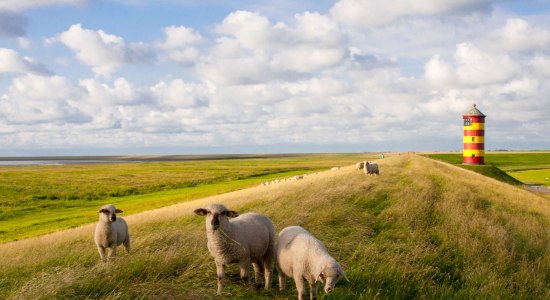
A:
(474, 136)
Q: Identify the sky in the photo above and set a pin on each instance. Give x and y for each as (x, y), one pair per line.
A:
(131, 77)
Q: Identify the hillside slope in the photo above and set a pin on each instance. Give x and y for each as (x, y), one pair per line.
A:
(421, 229)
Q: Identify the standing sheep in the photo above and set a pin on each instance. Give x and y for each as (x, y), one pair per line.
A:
(301, 256)
(371, 168)
(360, 165)
(111, 231)
(248, 238)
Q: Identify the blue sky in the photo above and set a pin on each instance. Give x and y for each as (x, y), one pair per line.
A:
(84, 77)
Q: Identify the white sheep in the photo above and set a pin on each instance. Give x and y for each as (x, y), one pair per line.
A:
(371, 168)
(111, 231)
(335, 168)
(247, 238)
(360, 165)
(301, 256)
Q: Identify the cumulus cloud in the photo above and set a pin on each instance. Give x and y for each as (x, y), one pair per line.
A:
(472, 67)
(367, 13)
(122, 92)
(104, 52)
(180, 43)
(13, 62)
(255, 49)
(518, 36)
(33, 99)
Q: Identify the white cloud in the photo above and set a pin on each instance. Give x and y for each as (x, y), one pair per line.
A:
(12, 62)
(368, 13)
(177, 94)
(518, 36)
(104, 52)
(33, 99)
(121, 93)
(179, 43)
(472, 67)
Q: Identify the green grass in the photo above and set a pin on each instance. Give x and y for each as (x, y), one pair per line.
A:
(35, 200)
(420, 230)
(512, 168)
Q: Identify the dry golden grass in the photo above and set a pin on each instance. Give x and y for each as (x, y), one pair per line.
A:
(422, 229)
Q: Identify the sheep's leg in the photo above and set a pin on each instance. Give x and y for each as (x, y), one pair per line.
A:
(220, 272)
(282, 281)
(244, 266)
(127, 245)
(113, 252)
(257, 274)
(300, 286)
(101, 251)
(313, 290)
(268, 273)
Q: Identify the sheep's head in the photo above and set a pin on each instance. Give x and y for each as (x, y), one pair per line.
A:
(330, 275)
(108, 213)
(216, 215)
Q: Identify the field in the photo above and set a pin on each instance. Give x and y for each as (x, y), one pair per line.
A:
(35, 200)
(421, 229)
(518, 168)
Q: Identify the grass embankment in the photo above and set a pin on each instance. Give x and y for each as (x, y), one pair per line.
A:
(419, 230)
(513, 168)
(35, 200)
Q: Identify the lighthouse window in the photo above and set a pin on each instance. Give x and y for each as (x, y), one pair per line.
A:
(473, 139)
(473, 155)
(467, 122)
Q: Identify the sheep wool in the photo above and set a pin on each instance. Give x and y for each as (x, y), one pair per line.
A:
(302, 256)
(111, 231)
(245, 239)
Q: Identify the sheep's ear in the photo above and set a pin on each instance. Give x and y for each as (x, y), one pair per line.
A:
(118, 211)
(341, 271)
(102, 210)
(201, 212)
(232, 214)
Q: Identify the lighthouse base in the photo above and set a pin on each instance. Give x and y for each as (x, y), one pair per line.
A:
(478, 160)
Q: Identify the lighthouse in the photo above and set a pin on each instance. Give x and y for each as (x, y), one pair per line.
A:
(474, 136)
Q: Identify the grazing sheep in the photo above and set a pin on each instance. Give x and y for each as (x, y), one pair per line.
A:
(248, 238)
(111, 231)
(360, 165)
(335, 168)
(371, 168)
(301, 256)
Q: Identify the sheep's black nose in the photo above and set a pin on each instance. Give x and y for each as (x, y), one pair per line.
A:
(215, 222)
(112, 218)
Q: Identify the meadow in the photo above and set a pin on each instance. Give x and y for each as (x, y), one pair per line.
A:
(420, 230)
(515, 168)
(35, 200)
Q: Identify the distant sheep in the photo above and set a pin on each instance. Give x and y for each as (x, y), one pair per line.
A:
(301, 256)
(248, 238)
(360, 165)
(371, 168)
(335, 168)
(111, 231)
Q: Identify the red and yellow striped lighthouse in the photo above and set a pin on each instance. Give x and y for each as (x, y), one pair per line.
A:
(474, 136)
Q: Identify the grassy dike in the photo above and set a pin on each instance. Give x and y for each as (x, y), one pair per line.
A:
(419, 230)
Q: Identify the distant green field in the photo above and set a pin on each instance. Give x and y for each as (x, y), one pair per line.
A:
(35, 200)
(514, 168)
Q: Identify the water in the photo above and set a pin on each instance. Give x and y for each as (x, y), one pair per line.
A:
(56, 162)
